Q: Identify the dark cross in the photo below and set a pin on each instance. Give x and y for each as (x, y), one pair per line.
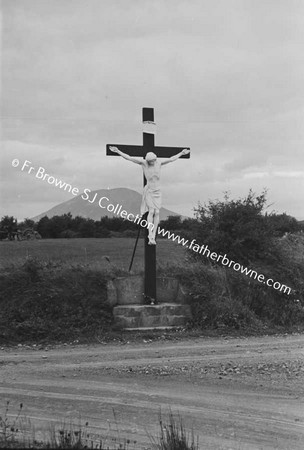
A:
(161, 152)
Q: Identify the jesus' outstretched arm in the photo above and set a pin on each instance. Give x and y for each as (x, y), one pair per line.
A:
(175, 157)
(125, 156)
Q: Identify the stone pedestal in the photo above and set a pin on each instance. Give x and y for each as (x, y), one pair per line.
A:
(126, 295)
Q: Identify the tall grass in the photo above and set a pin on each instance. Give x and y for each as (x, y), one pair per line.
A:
(173, 435)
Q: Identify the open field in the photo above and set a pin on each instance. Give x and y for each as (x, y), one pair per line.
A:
(237, 394)
(88, 251)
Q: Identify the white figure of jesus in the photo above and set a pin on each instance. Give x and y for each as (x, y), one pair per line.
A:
(151, 199)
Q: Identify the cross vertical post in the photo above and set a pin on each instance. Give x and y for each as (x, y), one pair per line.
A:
(150, 250)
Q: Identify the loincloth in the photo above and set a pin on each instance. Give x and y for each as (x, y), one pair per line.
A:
(151, 199)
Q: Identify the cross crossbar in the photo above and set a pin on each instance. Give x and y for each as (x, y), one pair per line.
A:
(140, 150)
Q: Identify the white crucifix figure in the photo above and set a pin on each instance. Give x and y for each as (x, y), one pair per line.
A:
(152, 197)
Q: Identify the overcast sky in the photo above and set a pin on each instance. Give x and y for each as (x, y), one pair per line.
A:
(225, 78)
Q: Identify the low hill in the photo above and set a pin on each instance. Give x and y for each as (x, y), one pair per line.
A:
(88, 207)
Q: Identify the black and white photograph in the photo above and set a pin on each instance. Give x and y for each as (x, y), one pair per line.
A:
(152, 224)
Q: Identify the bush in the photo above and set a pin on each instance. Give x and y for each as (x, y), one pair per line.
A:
(238, 228)
(130, 233)
(221, 297)
(235, 227)
(39, 302)
(213, 305)
(69, 234)
(282, 224)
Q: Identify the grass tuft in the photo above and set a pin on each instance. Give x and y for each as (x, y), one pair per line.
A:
(173, 435)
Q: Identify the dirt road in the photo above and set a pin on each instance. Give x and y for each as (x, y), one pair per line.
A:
(236, 393)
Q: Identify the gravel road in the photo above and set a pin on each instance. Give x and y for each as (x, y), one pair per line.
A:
(235, 393)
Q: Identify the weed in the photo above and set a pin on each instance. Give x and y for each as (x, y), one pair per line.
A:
(173, 435)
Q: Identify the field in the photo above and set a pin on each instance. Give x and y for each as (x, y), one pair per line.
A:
(89, 251)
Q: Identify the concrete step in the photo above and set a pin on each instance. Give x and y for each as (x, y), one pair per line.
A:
(152, 316)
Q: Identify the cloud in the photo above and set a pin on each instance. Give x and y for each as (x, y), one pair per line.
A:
(225, 78)
(290, 174)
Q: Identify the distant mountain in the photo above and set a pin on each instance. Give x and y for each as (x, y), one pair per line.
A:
(88, 205)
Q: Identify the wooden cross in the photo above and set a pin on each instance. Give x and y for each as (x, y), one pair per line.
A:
(161, 152)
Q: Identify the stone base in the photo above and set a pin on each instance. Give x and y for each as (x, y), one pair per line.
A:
(163, 315)
(130, 291)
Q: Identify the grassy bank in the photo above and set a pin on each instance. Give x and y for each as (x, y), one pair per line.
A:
(49, 301)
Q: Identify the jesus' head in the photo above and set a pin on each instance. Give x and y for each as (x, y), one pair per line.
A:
(151, 158)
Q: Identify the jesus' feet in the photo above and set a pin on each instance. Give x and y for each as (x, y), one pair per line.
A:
(151, 241)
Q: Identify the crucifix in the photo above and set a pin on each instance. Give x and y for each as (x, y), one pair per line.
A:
(151, 201)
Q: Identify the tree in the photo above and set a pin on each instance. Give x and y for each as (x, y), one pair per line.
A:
(44, 227)
(235, 227)
(8, 225)
(8, 222)
(27, 223)
(283, 223)
(87, 228)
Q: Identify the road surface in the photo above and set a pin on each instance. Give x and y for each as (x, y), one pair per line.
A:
(235, 393)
